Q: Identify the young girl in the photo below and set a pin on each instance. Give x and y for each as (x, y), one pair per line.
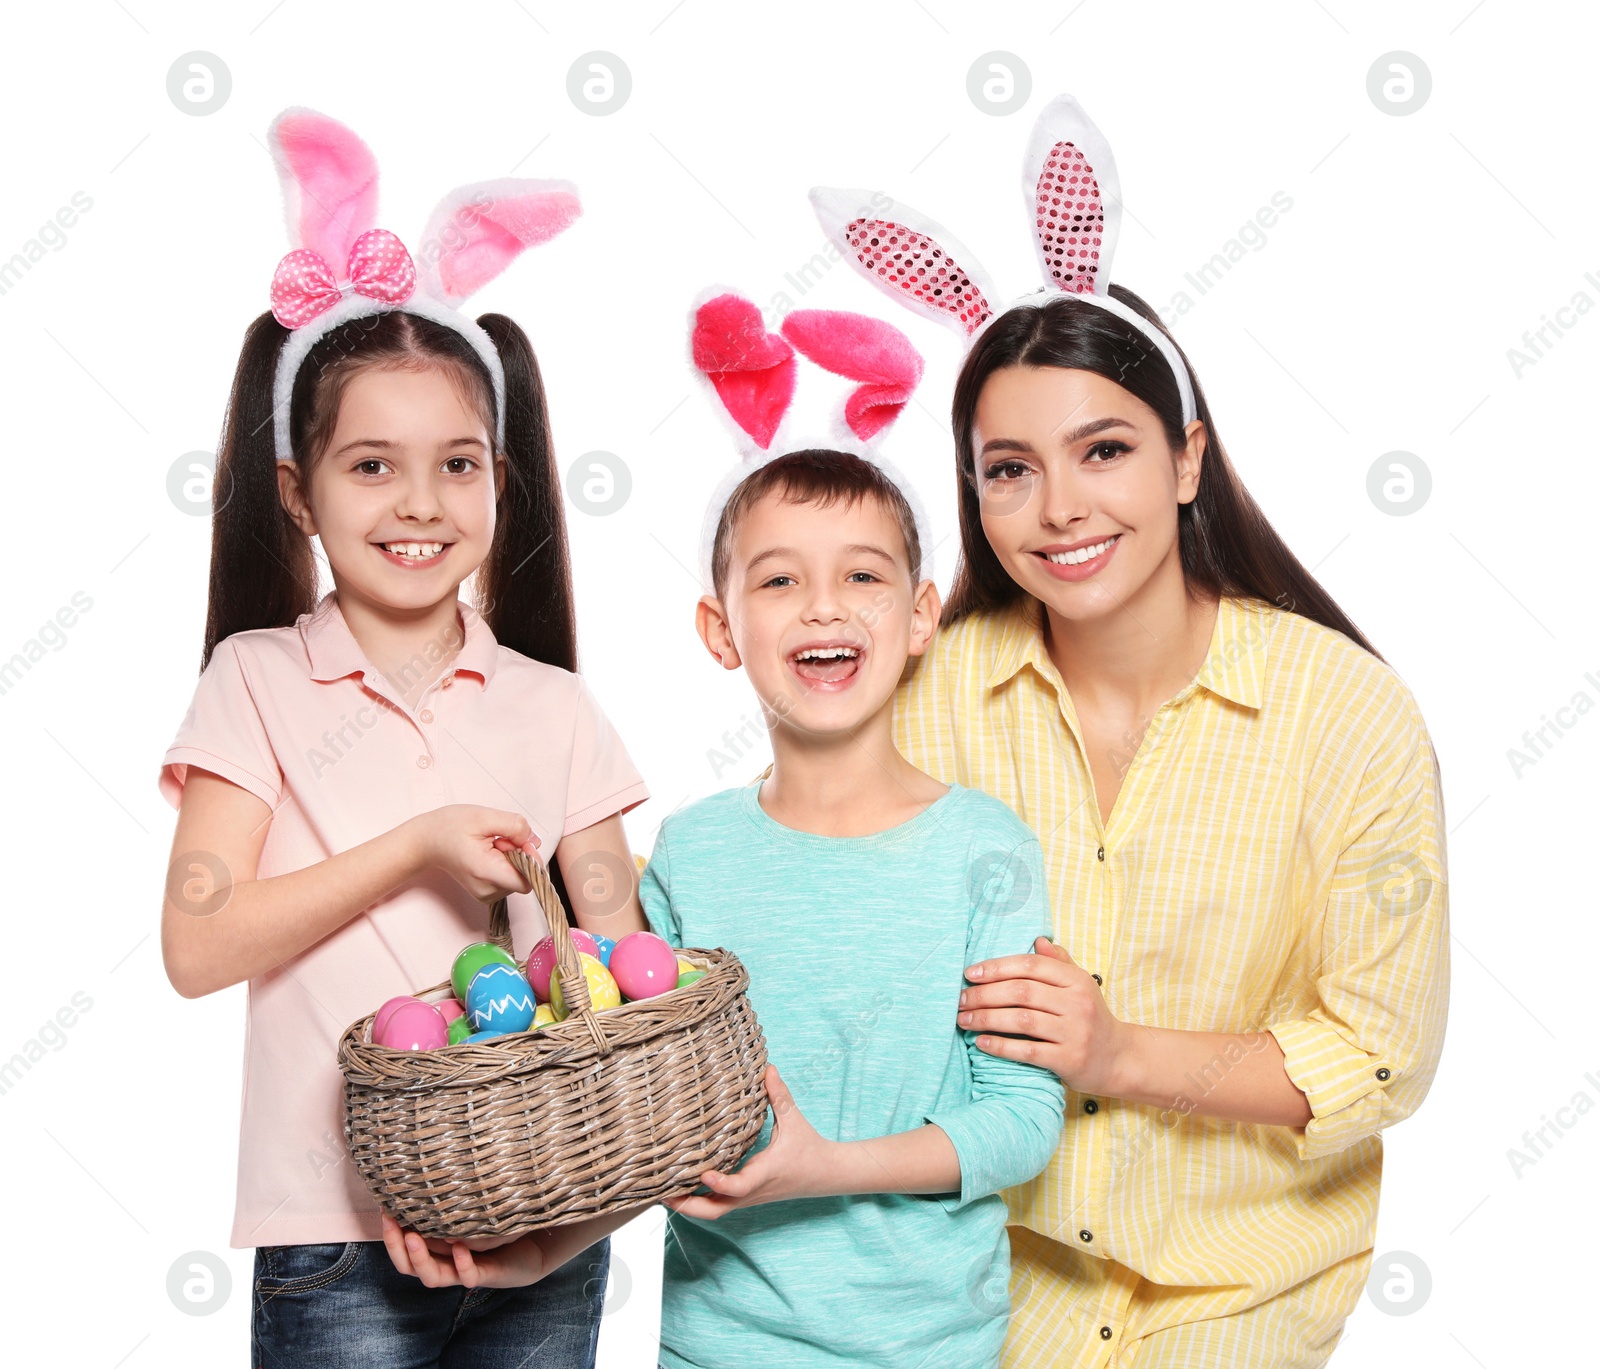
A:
(353, 769)
(1239, 805)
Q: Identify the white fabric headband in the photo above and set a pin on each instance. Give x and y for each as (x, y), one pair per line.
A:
(1069, 181)
(352, 306)
(343, 267)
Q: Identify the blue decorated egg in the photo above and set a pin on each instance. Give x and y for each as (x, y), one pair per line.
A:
(500, 999)
(604, 946)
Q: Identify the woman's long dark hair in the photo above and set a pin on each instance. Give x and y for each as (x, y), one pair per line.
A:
(263, 573)
(1225, 542)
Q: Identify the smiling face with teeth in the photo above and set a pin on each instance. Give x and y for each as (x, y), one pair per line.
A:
(820, 609)
(1079, 490)
(403, 497)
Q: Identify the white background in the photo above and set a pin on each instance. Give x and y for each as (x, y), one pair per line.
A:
(1376, 317)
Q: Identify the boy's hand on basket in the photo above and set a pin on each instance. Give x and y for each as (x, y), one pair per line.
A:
(469, 844)
(797, 1163)
(477, 1262)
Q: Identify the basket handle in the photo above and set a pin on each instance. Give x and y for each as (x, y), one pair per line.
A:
(574, 983)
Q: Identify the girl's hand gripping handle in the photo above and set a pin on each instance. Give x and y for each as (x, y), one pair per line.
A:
(469, 843)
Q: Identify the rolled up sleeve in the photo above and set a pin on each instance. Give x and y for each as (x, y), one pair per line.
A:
(1366, 1052)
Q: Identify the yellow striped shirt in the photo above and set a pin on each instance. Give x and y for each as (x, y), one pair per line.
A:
(1274, 862)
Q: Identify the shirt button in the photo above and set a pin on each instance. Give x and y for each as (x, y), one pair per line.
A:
(1091, 1106)
(423, 762)
(1100, 854)
(1105, 1333)
(1098, 980)
(1086, 1236)
(1383, 1074)
(426, 715)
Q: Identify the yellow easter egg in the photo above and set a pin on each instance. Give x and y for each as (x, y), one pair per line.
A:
(543, 1016)
(603, 991)
(684, 967)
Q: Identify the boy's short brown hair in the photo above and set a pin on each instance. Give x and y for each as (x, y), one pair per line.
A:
(814, 476)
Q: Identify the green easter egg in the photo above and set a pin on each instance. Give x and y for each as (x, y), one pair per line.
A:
(459, 1030)
(472, 959)
(693, 977)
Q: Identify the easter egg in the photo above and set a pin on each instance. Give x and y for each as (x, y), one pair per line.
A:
(543, 1016)
(459, 1030)
(472, 959)
(381, 1017)
(414, 1026)
(643, 965)
(542, 960)
(449, 1009)
(603, 991)
(489, 1034)
(693, 977)
(499, 999)
(606, 945)
(685, 967)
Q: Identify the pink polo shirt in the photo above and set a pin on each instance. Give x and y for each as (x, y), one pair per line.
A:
(300, 718)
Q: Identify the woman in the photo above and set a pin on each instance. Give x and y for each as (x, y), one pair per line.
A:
(1240, 810)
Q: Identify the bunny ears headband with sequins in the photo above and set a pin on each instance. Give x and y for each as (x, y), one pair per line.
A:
(753, 375)
(344, 267)
(1069, 183)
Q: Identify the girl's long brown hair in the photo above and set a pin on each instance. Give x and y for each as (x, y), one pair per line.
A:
(1225, 542)
(263, 573)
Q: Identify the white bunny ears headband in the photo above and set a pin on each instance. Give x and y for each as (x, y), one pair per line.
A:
(1069, 182)
(330, 191)
(753, 375)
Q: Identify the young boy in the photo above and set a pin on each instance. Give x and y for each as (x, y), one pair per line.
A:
(865, 1227)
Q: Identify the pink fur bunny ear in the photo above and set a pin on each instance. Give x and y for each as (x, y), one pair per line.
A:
(752, 370)
(329, 179)
(478, 230)
(1069, 181)
(906, 256)
(860, 347)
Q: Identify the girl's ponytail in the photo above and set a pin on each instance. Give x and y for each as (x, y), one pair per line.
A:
(263, 573)
(525, 583)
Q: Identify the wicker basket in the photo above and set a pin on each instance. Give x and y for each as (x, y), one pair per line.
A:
(600, 1112)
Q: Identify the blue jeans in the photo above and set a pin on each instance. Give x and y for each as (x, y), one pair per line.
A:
(345, 1306)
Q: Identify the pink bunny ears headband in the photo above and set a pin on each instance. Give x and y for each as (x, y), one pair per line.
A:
(753, 374)
(344, 267)
(1069, 182)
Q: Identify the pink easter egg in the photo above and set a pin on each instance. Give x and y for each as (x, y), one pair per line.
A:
(542, 961)
(449, 1009)
(644, 965)
(414, 1026)
(382, 1016)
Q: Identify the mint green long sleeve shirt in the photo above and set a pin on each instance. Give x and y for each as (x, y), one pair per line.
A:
(855, 948)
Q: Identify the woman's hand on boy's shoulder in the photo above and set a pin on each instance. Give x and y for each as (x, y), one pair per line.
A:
(796, 1163)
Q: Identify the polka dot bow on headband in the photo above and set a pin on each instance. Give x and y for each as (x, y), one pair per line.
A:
(379, 267)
